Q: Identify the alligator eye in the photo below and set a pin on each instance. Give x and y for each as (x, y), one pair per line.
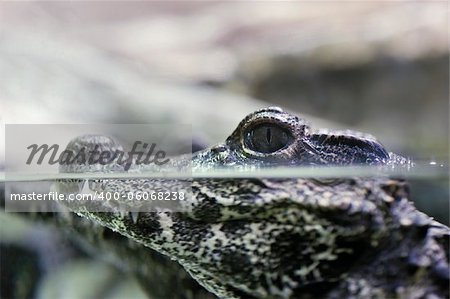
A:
(267, 138)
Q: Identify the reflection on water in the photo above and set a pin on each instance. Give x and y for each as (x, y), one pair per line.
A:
(429, 180)
(416, 170)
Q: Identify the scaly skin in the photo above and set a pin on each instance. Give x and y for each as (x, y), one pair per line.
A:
(288, 238)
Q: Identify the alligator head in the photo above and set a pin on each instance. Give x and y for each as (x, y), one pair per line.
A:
(288, 237)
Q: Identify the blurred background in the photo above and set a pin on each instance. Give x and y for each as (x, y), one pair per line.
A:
(378, 67)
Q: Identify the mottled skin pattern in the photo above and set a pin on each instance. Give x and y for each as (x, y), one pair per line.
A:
(290, 238)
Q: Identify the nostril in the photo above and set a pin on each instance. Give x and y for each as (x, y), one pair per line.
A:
(218, 149)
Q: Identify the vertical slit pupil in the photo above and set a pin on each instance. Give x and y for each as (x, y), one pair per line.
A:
(267, 138)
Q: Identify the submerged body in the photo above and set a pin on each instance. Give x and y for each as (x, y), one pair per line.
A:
(292, 237)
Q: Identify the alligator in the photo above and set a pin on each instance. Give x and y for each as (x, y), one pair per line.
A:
(351, 237)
